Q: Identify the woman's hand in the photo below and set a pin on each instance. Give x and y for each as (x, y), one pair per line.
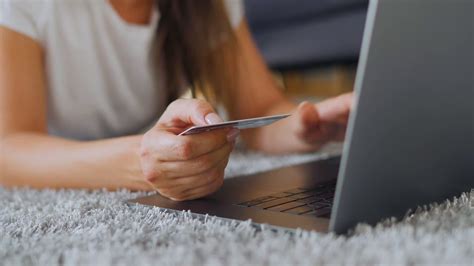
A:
(317, 124)
(186, 167)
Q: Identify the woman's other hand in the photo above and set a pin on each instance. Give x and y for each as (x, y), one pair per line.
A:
(317, 124)
(186, 167)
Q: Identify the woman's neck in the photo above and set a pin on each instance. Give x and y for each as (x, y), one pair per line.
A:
(134, 11)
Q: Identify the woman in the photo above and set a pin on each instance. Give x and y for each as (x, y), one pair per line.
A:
(80, 79)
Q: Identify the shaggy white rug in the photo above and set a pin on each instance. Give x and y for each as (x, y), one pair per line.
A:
(76, 227)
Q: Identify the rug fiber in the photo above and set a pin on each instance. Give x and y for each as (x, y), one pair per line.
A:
(77, 227)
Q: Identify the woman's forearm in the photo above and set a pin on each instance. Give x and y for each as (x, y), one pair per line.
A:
(43, 161)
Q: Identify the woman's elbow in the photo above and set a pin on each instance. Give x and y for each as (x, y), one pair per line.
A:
(6, 178)
(3, 162)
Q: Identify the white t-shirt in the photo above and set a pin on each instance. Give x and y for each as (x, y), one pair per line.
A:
(100, 81)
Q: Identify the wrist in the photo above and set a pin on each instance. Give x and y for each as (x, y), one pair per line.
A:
(134, 178)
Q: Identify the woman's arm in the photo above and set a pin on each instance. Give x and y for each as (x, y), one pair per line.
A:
(41, 161)
(28, 156)
(307, 129)
(179, 167)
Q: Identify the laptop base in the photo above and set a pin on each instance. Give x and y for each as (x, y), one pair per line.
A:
(238, 190)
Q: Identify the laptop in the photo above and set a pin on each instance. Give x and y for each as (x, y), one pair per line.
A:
(410, 138)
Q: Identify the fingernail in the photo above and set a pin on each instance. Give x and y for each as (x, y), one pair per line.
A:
(213, 118)
(233, 135)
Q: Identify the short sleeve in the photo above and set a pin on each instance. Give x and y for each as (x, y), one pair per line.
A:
(235, 10)
(21, 16)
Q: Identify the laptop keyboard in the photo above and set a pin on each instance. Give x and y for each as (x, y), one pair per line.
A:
(315, 201)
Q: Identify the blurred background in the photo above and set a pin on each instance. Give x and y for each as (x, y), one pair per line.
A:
(312, 46)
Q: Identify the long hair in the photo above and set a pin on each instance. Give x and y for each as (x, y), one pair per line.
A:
(197, 48)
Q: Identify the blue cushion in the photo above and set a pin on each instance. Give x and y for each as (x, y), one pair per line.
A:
(337, 38)
(296, 33)
(261, 13)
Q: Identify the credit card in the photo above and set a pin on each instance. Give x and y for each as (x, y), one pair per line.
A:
(239, 124)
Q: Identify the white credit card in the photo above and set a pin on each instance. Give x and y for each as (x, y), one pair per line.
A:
(239, 124)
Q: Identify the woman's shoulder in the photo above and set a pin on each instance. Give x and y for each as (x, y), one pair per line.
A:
(30, 17)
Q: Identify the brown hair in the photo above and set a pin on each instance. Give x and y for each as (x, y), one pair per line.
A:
(197, 47)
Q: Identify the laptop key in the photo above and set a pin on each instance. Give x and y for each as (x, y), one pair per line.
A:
(308, 200)
(256, 201)
(300, 196)
(272, 203)
(318, 192)
(281, 195)
(296, 190)
(323, 212)
(299, 201)
(311, 200)
(286, 206)
(318, 205)
(327, 196)
(299, 210)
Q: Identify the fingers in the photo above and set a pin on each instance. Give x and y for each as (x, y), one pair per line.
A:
(336, 109)
(308, 123)
(203, 191)
(189, 112)
(186, 188)
(175, 164)
(308, 114)
(199, 144)
(201, 164)
(325, 121)
(161, 145)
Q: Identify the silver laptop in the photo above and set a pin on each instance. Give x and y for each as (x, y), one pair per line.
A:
(410, 139)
